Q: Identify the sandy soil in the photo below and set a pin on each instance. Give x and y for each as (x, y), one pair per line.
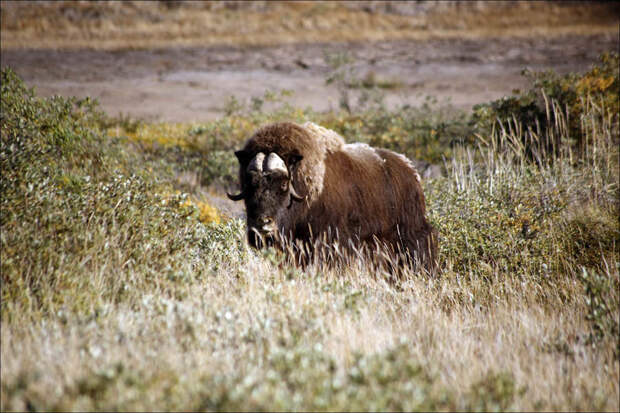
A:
(195, 83)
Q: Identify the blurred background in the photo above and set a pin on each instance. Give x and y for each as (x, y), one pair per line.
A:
(188, 61)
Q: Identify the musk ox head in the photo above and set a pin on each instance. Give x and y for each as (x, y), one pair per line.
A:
(267, 190)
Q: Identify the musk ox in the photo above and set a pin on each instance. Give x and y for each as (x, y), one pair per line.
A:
(303, 183)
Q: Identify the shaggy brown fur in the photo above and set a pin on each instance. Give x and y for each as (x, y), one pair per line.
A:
(354, 193)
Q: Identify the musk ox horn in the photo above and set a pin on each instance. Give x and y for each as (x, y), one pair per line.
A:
(237, 197)
(275, 163)
(256, 164)
(294, 195)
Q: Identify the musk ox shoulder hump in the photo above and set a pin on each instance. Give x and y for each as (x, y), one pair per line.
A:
(326, 138)
(409, 164)
(363, 152)
(366, 153)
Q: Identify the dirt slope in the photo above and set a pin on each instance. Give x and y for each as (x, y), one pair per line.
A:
(183, 61)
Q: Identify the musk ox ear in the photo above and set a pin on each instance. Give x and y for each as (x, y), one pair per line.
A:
(242, 156)
(293, 159)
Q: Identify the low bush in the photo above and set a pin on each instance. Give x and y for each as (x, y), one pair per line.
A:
(576, 102)
(85, 220)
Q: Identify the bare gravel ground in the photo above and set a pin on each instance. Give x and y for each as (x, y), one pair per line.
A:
(195, 83)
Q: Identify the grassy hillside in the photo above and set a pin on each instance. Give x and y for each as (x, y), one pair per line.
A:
(124, 289)
(157, 24)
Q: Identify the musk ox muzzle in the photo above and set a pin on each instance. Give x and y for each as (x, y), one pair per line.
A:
(263, 234)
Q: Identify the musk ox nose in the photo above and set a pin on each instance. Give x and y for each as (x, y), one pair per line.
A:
(265, 224)
(261, 238)
(262, 225)
(262, 231)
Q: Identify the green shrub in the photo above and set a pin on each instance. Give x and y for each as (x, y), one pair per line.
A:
(556, 100)
(83, 215)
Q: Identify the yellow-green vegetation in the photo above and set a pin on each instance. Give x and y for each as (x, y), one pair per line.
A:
(121, 293)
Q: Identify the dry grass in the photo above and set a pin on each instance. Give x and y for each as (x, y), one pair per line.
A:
(121, 25)
(246, 337)
(116, 297)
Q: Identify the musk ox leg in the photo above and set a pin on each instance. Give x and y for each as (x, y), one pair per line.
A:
(423, 248)
(408, 248)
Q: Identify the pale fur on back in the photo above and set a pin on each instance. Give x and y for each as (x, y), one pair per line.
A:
(327, 141)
